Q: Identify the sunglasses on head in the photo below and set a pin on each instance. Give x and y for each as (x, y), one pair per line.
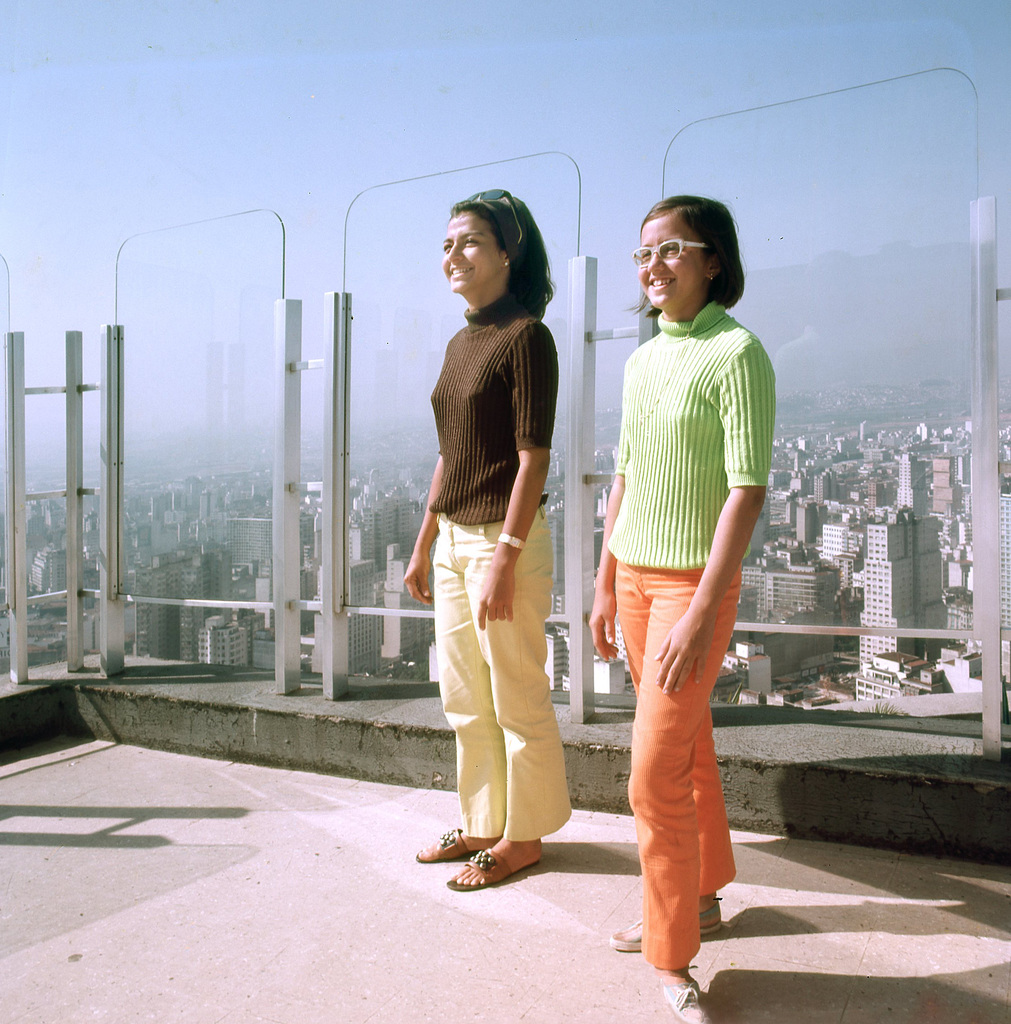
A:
(514, 245)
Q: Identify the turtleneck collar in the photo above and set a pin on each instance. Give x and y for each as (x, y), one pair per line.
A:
(501, 310)
(677, 330)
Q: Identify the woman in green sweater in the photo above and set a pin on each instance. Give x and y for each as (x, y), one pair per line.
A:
(494, 408)
(698, 409)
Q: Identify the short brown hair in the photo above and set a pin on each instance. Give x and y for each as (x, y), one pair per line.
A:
(714, 224)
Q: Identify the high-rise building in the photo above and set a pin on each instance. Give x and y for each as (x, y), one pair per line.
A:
(807, 522)
(902, 581)
(788, 589)
(224, 643)
(364, 631)
(1005, 559)
(48, 571)
(405, 638)
(881, 493)
(912, 492)
(839, 538)
(824, 486)
(947, 491)
(171, 631)
(393, 519)
(157, 624)
(251, 542)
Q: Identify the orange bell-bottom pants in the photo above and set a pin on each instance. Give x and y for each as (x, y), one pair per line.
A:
(674, 788)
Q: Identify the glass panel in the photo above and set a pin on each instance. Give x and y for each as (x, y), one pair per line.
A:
(45, 532)
(196, 303)
(5, 326)
(46, 537)
(5, 296)
(853, 218)
(1004, 455)
(404, 313)
(45, 518)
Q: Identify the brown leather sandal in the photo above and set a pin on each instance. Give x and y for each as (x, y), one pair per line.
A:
(494, 871)
(449, 847)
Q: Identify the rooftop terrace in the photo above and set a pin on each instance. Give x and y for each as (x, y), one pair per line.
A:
(144, 885)
(917, 785)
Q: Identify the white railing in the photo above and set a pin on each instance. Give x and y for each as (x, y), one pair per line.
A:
(581, 485)
(18, 497)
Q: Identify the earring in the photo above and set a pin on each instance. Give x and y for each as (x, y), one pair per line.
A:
(506, 263)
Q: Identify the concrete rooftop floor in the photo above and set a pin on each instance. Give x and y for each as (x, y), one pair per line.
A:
(139, 885)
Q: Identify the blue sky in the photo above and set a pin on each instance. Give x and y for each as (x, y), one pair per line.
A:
(118, 118)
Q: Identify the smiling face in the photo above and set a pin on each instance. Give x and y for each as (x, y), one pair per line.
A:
(476, 267)
(679, 289)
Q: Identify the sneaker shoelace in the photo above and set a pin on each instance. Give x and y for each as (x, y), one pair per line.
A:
(684, 997)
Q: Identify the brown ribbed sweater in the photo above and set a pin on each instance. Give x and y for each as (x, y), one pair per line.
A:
(495, 396)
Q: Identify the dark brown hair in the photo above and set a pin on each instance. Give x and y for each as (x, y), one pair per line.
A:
(714, 225)
(529, 272)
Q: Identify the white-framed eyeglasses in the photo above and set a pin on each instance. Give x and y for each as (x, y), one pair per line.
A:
(667, 251)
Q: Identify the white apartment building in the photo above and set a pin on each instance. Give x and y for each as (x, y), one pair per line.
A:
(221, 643)
(890, 675)
(1005, 559)
(838, 539)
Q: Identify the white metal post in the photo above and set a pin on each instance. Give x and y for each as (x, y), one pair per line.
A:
(17, 564)
(75, 511)
(334, 633)
(986, 467)
(287, 473)
(578, 493)
(112, 643)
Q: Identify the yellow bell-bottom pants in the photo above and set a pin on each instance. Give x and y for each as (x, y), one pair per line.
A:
(509, 762)
(674, 789)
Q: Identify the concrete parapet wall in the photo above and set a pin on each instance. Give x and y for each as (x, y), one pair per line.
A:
(910, 811)
(919, 792)
(402, 755)
(29, 713)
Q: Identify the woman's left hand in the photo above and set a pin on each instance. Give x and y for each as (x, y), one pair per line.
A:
(684, 651)
(499, 588)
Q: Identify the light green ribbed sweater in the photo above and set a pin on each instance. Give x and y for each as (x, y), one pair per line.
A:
(698, 410)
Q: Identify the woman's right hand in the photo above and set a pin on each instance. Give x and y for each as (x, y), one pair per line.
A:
(416, 577)
(602, 617)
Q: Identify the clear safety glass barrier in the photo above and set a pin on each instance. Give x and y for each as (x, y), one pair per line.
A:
(404, 314)
(45, 532)
(5, 326)
(853, 216)
(196, 304)
(5, 295)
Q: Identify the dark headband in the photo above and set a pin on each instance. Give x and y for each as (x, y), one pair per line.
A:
(501, 207)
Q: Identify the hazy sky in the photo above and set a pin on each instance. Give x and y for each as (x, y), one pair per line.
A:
(121, 117)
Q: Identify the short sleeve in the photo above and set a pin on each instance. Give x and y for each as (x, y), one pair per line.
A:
(533, 367)
(621, 461)
(747, 398)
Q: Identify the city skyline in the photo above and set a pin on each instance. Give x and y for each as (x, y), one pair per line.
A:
(813, 558)
(855, 244)
(179, 174)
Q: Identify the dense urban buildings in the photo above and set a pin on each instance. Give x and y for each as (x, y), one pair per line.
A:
(864, 526)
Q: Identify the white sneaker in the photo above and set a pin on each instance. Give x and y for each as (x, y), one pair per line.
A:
(683, 997)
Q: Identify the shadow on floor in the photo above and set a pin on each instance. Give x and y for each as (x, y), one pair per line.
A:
(756, 997)
(941, 885)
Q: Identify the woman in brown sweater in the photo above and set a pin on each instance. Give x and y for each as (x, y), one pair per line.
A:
(494, 409)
